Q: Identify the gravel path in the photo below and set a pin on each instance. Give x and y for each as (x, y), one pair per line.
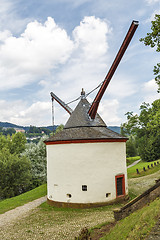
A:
(134, 163)
(141, 184)
(56, 224)
(19, 212)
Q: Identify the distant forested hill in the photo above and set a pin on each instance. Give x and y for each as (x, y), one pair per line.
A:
(115, 129)
(6, 124)
(26, 128)
(11, 125)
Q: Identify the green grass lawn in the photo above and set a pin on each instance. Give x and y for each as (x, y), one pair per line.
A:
(132, 171)
(20, 200)
(137, 225)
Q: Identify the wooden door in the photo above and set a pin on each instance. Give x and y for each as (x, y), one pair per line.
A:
(120, 185)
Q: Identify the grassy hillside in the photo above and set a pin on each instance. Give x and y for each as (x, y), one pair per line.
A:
(132, 171)
(20, 200)
(137, 225)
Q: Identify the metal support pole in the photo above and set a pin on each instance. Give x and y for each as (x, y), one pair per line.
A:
(53, 113)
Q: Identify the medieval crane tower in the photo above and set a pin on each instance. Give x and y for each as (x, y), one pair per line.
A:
(86, 162)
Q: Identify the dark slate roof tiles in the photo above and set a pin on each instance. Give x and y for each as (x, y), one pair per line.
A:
(79, 126)
(80, 117)
(85, 133)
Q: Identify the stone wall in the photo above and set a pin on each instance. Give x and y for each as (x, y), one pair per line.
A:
(138, 202)
(122, 199)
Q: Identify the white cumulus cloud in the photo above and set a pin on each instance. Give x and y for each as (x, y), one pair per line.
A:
(91, 36)
(152, 1)
(150, 86)
(150, 91)
(31, 56)
(152, 17)
(122, 86)
(108, 110)
(18, 112)
(87, 65)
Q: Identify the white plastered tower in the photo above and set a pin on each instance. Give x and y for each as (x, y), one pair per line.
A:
(86, 162)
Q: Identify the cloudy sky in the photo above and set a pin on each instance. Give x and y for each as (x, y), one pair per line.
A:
(66, 45)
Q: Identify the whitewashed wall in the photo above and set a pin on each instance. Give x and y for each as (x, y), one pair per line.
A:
(70, 166)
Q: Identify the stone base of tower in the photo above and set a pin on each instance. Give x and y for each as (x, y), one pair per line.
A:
(87, 205)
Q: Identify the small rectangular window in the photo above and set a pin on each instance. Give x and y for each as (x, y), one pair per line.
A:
(84, 187)
(108, 194)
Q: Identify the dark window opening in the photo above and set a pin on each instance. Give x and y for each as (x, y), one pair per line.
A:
(108, 194)
(84, 187)
(69, 195)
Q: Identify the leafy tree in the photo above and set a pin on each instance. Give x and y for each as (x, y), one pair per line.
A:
(146, 129)
(9, 131)
(153, 40)
(131, 150)
(15, 143)
(15, 174)
(131, 126)
(18, 142)
(15, 170)
(46, 130)
(22, 166)
(34, 129)
(5, 142)
(59, 128)
(36, 153)
(131, 144)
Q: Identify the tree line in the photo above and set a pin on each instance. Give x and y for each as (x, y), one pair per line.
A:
(8, 131)
(22, 165)
(143, 130)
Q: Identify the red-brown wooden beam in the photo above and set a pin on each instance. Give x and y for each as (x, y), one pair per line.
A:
(85, 141)
(93, 109)
(64, 105)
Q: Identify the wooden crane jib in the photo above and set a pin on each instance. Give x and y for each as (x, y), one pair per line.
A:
(64, 105)
(93, 109)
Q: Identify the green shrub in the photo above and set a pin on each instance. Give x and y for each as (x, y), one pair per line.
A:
(15, 174)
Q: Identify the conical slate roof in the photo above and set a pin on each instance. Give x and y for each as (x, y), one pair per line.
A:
(80, 117)
(81, 127)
